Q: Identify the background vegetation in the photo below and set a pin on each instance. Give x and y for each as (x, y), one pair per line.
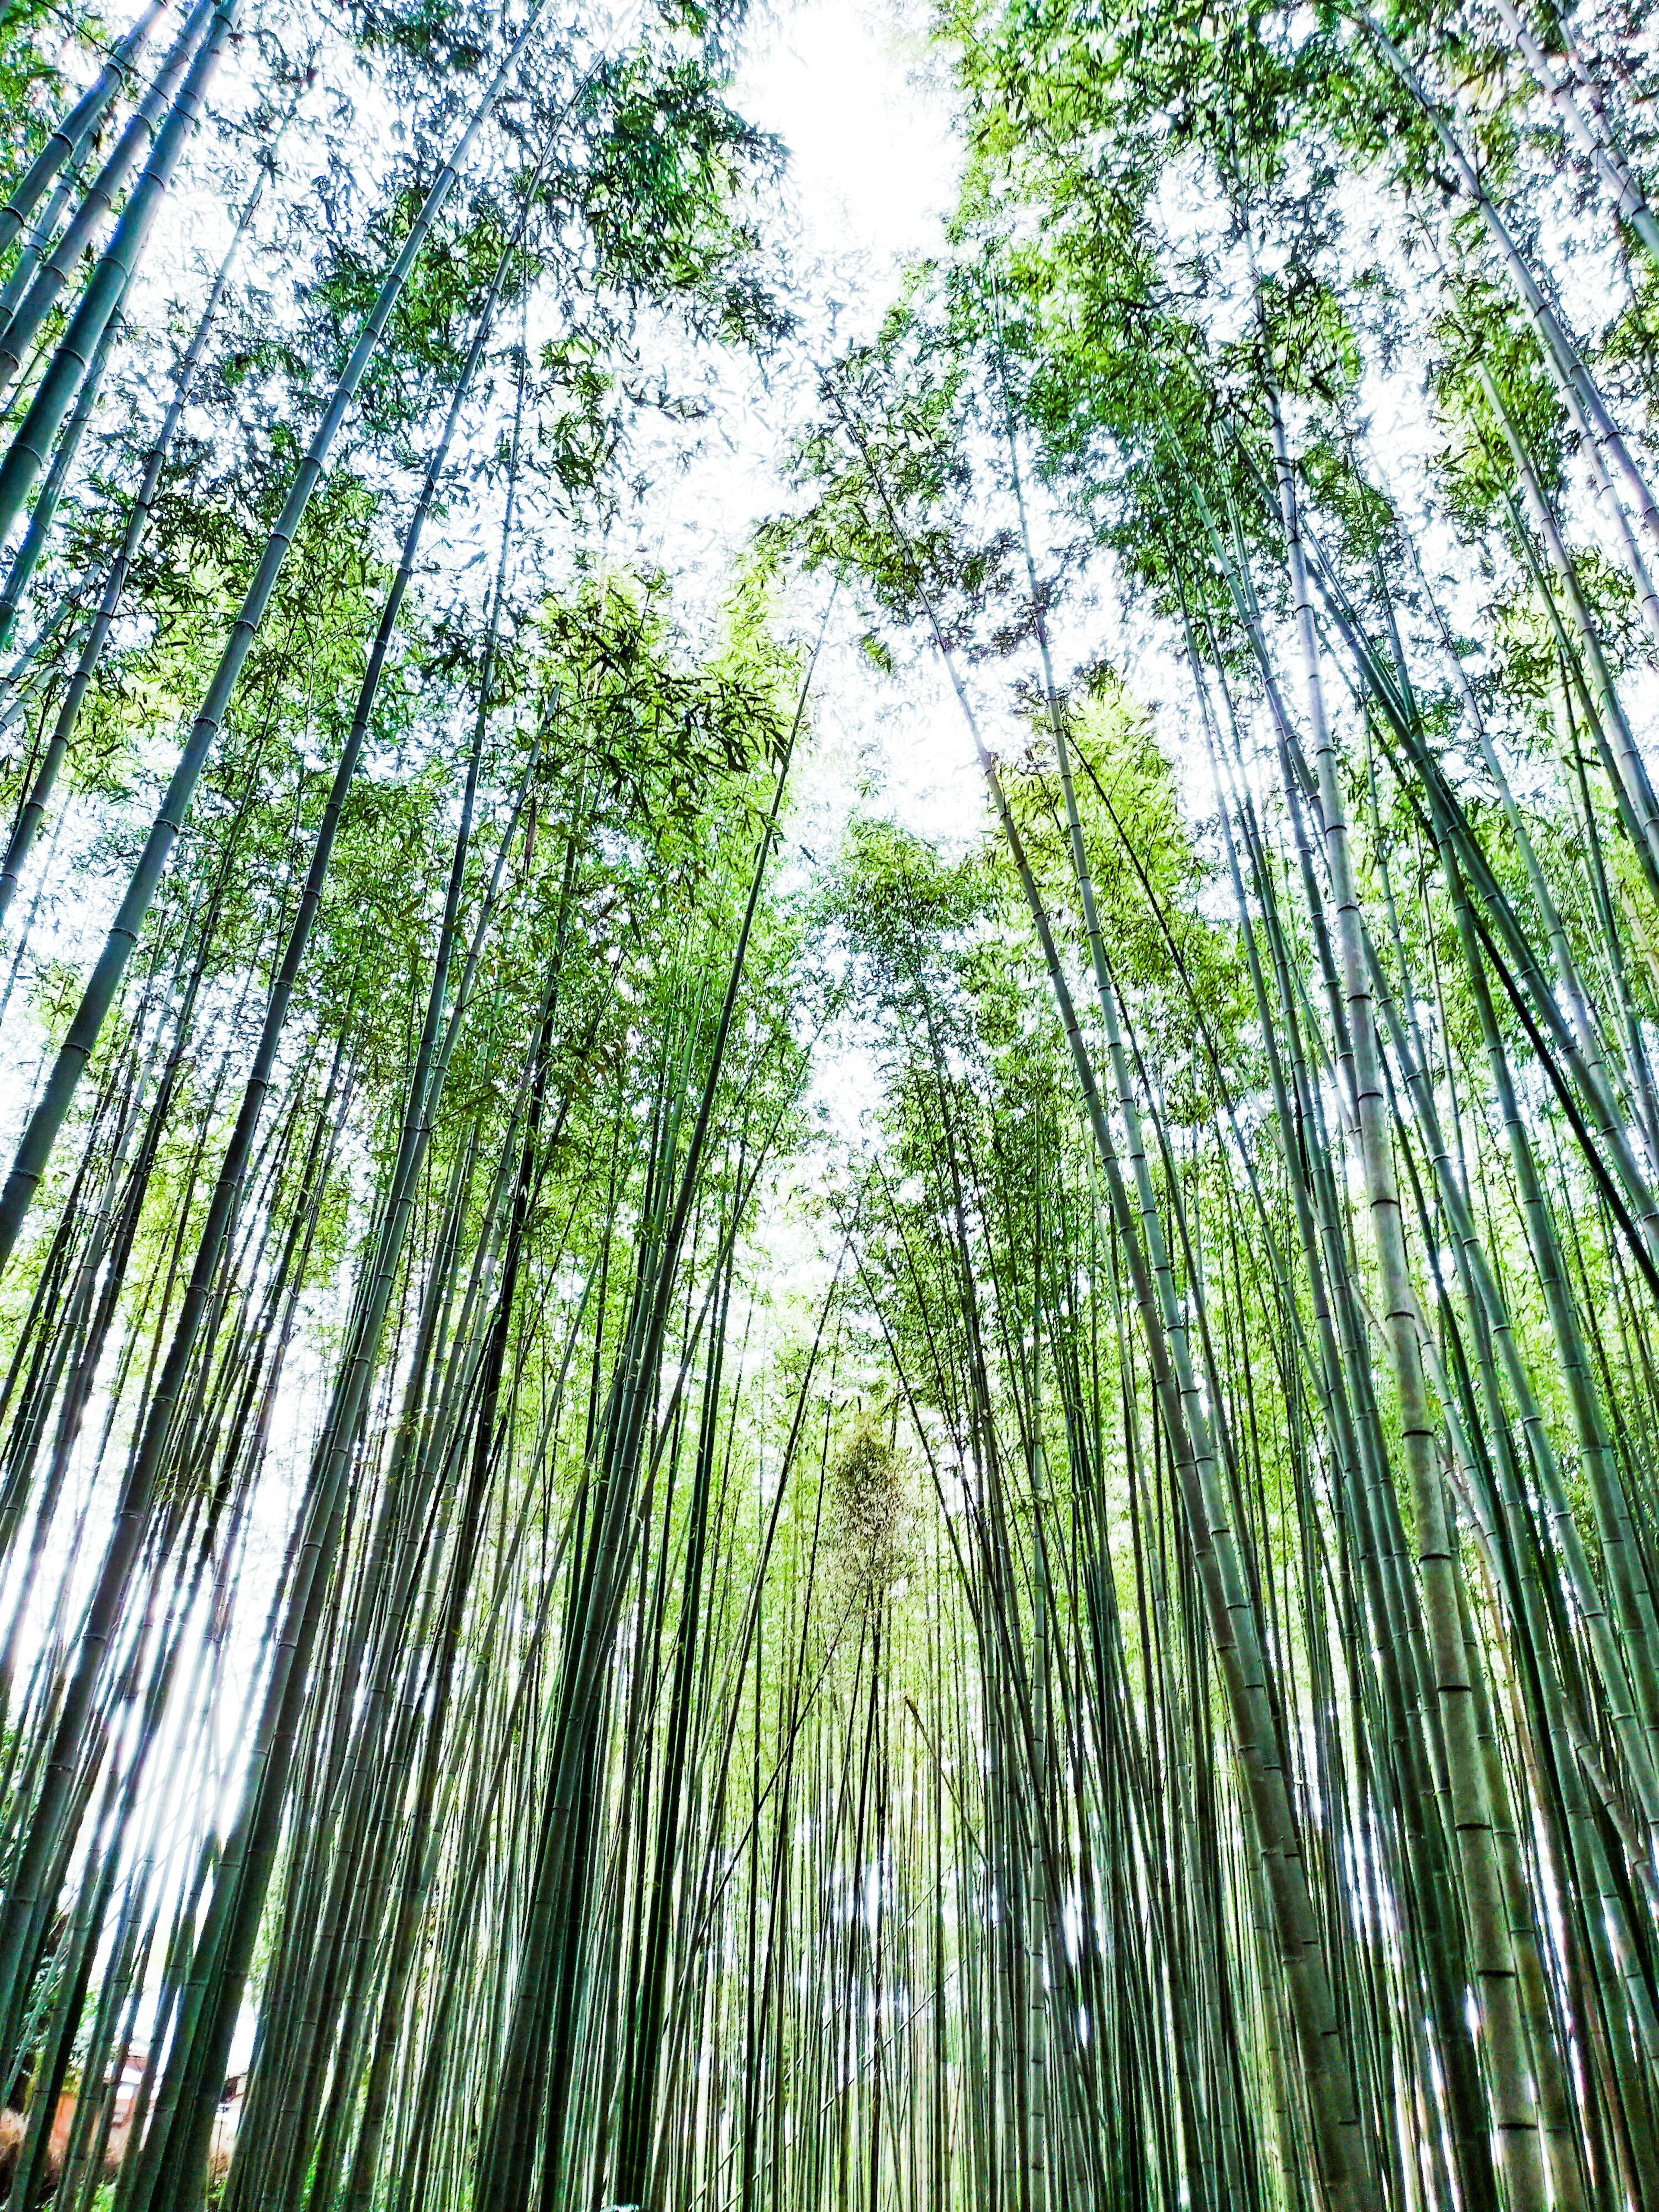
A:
(574, 1631)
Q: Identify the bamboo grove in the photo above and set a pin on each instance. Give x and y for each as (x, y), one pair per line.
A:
(581, 1622)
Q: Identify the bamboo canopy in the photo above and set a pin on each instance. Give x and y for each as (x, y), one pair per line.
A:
(712, 1498)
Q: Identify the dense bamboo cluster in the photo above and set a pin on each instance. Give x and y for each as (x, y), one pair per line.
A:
(1356, 1185)
(573, 1632)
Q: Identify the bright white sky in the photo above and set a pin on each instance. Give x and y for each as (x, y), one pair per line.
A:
(860, 103)
(872, 160)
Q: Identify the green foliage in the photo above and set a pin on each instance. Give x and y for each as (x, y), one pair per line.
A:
(980, 1532)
